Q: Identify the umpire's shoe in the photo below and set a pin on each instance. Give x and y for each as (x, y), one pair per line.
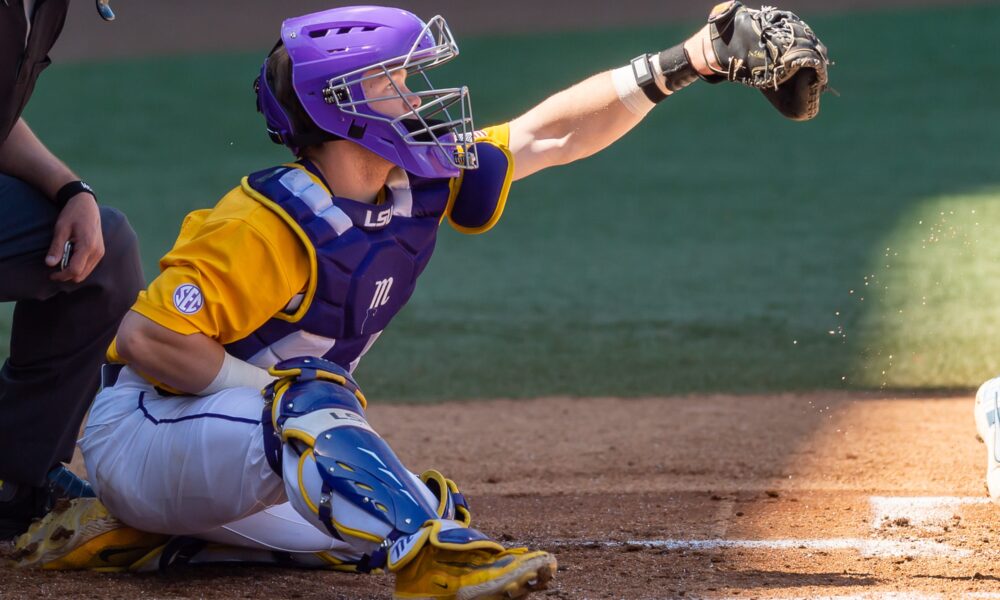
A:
(81, 534)
(440, 574)
(20, 505)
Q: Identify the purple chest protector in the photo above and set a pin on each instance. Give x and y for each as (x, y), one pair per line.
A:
(366, 260)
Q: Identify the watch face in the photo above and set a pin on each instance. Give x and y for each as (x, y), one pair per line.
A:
(640, 66)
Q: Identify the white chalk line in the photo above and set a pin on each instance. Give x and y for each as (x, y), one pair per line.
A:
(919, 511)
(866, 547)
(897, 596)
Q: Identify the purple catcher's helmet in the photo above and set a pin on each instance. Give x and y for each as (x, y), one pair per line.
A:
(332, 52)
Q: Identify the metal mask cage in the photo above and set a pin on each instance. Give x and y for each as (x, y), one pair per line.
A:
(444, 116)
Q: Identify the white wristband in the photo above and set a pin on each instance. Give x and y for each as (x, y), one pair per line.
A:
(237, 373)
(629, 91)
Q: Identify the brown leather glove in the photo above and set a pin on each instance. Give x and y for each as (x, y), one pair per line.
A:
(769, 49)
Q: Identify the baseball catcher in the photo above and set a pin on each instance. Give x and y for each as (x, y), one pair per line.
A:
(288, 281)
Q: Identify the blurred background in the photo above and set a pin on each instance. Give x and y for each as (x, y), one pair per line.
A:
(716, 248)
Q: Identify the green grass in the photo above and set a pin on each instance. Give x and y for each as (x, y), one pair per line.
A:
(710, 250)
(936, 311)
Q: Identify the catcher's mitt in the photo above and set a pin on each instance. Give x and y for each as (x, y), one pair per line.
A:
(772, 50)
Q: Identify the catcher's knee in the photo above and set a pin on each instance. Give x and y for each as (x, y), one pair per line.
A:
(343, 477)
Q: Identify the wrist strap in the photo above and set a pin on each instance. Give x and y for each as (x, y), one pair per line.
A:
(71, 189)
(676, 67)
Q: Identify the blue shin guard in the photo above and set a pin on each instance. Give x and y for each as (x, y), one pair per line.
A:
(343, 477)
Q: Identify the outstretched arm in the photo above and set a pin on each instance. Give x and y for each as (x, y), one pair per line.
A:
(588, 117)
(769, 49)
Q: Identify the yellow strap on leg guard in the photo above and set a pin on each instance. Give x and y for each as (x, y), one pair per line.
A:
(311, 368)
(451, 503)
(447, 535)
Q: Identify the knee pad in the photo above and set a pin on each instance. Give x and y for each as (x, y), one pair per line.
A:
(312, 379)
(343, 477)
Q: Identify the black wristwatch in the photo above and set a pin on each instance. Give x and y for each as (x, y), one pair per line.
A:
(645, 79)
(71, 189)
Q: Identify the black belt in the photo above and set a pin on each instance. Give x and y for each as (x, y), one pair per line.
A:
(111, 371)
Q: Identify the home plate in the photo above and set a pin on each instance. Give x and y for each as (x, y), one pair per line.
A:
(920, 511)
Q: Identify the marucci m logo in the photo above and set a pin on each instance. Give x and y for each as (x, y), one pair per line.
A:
(381, 297)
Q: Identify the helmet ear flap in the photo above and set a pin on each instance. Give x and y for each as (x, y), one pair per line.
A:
(279, 126)
(274, 135)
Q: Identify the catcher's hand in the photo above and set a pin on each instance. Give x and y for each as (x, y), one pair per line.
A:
(772, 50)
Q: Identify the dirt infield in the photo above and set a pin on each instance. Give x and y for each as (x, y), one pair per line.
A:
(820, 495)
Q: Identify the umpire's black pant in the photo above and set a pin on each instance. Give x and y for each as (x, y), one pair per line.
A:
(59, 333)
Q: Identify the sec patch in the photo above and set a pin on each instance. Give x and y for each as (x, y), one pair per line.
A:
(188, 298)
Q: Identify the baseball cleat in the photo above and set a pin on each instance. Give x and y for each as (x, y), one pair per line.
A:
(438, 574)
(987, 409)
(82, 534)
